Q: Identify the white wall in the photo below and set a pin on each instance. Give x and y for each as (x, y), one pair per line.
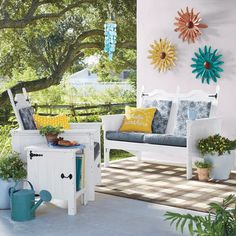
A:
(156, 19)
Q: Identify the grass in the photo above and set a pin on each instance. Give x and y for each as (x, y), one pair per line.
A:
(119, 154)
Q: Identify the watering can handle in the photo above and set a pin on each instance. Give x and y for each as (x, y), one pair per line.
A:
(22, 181)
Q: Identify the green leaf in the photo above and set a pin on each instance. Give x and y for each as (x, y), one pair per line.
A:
(190, 227)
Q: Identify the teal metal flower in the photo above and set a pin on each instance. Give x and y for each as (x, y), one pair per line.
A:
(207, 64)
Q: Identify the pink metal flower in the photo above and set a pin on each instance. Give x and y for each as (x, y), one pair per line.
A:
(188, 24)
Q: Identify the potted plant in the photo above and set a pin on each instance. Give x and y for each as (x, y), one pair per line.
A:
(50, 133)
(203, 168)
(12, 168)
(220, 221)
(216, 150)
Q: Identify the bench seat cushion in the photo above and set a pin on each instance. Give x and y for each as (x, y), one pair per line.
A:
(165, 139)
(125, 136)
(160, 139)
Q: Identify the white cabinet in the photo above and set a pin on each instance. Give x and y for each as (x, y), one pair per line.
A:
(54, 169)
(79, 132)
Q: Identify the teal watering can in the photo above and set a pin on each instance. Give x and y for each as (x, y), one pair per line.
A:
(23, 204)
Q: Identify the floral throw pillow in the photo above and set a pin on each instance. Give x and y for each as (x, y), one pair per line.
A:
(201, 108)
(161, 117)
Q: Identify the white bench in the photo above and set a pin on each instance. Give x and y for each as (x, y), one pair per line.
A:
(196, 129)
(85, 133)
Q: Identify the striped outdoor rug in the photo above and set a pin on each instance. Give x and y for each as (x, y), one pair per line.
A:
(162, 184)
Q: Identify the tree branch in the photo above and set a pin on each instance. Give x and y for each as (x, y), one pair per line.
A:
(89, 33)
(29, 17)
(30, 86)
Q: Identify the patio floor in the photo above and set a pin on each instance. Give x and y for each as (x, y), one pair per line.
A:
(108, 215)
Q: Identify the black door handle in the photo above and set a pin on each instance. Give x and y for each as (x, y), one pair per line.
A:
(70, 176)
(34, 155)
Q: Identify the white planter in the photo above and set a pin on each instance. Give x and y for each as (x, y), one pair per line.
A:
(4, 193)
(221, 165)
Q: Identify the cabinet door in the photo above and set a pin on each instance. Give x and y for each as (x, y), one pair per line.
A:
(55, 172)
(35, 167)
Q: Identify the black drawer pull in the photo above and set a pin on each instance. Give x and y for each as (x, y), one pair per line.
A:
(34, 155)
(70, 176)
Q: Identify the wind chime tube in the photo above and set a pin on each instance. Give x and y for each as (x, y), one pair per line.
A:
(110, 38)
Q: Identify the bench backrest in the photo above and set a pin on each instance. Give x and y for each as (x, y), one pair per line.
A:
(20, 101)
(194, 95)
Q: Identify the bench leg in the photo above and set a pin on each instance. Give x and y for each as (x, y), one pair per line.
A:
(139, 156)
(189, 167)
(106, 157)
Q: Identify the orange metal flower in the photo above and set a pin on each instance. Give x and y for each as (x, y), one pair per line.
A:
(188, 24)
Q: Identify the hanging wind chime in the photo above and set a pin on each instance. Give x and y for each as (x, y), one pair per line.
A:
(110, 36)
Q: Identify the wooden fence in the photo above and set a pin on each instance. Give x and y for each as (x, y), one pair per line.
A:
(77, 112)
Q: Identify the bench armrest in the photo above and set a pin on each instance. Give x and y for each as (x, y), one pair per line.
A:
(112, 122)
(201, 128)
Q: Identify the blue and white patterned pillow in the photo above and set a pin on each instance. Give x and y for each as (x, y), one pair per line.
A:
(161, 117)
(201, 108)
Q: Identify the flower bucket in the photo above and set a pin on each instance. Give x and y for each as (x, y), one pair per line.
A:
(4, 193)
(221, 165)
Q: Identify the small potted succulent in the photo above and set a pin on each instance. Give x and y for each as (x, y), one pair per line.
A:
(51, 133)
(216, 150)
(203, 168)
(12, 169)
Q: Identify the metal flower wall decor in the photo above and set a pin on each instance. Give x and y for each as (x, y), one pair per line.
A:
(163, 55)
(207, 64)
(188, 24)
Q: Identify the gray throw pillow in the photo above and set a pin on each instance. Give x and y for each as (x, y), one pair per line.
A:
(201, 108)
(27, 118)
(161, 117)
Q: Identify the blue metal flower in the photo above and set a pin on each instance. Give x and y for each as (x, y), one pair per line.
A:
(110, 37)
(207, 64)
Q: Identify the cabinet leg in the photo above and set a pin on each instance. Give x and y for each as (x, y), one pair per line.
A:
(72, 207)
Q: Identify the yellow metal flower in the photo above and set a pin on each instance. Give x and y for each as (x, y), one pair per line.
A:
(163, 55)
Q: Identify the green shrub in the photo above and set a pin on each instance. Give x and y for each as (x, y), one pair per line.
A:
(12, 167)
(5, 139)
(202, 164)
(45, 130)
(216, 144)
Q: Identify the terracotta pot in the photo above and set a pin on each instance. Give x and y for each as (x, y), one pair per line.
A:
(203, 174)
(51, 138)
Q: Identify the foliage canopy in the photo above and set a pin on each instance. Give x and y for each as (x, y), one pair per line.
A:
(53, 37)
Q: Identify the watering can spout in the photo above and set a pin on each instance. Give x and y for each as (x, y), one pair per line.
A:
(45, 196)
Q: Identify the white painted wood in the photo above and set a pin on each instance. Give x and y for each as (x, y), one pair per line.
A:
(106, 156)
(195, 129)
(201, 128)
(24, 138)
(44, 172)
(15, 109)
(81, 132)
